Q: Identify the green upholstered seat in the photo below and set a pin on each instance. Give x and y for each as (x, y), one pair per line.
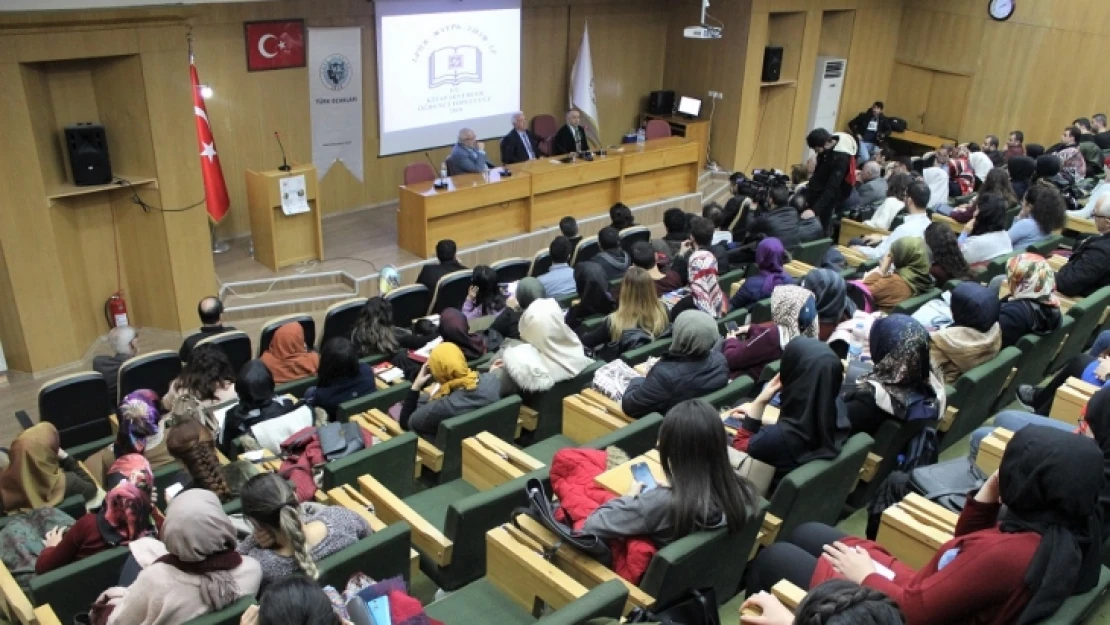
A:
(1076, 609)
(739, 316)
(1046, 246)
(85, 450)
(380, 555)
(907, 307)
(1036, 355)
(760, 312)
(634, 439)
(974, 395)
(726, 280)
(652, 349)
(997, 267)
(1087, 312)
(166, 476)
(227, 616)
(812, 253)
(770, 370)
(391, 462)
(817, 490)
(71, 589)
(549, 404)
(381, 400)
(483, 602)
(498, 418)
(432, 503)
(890, 440)
(235, 506)
(296, 388)
(732, 393)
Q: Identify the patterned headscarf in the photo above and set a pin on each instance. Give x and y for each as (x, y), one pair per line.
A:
(138, 410)
(911, 261)
(770, 256)
(1031, 277)
(448, 366)
(900, 351)
(126, 513)
(703, 284)
(1072, 164)
(794, 311)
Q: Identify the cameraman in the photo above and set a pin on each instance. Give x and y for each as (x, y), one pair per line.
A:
(780, 220)
(830, 186)
(734, 204)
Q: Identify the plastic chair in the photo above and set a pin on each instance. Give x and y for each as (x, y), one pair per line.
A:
(545, 126)
(657, 129)
(511, 269)
(587, 248)
(419, 172)
(340, 318)
(78, 406)
(450, 291)
(541, 264)
(409, 303)
(154, 371)
(236, 345)
(266, 335)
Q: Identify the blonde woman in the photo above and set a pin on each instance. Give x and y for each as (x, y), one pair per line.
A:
(639, 308)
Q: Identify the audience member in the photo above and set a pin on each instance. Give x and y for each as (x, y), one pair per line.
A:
(207, 376)
(749, 349)
(593, 294)
(830, 293)
(200, 572)
(1094, 370)
(1073, 166)
(551, 353)
(779, 221)
(997, 184)
(644, 257)
(1049, 172)
(1014, 145)
(809, 227)
(721, 234)
(1083, 125)
(812, 421)
(691, 367)
(872, 188)
(288, 357)
(870, 128)
(528, 290)
(568, 226)
(257, 403)
(1021, 169)
(990, 148)
(1102, 136)
(701, 239)
(828, 188)
(1042, 213)
(770, 256)
(125, 345)
(894, 204)
(457, 391)
(559, 280)
(620, 217)
(40, 473)
(705, 290)
(674, 222)
(1086, 270)
(611, 258)
(901, 274)
(937, 179)
(638, 311)
(981, 165)
(835, 602)
(1069, 139)
(448, 263)
(974, 336)
(375, 335)
(484, 297)
(341, 377)
(455, 328)
(948, 260)
(1034, 151)
(730, 214)
(210, 310)
(984, 238)
(1031, 307)
(702, 491)
(468, 156)
(913, 225)
(194, 447)
(293, 600)
(141, 431)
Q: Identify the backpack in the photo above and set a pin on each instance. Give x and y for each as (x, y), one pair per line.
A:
(897, 124)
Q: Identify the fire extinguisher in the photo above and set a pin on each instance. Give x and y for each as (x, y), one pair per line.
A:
(115, 310)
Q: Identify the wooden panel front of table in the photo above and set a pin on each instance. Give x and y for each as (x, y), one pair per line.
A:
(660, 169)
(579, 189)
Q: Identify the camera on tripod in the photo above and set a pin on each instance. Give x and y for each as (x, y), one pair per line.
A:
(759, 186)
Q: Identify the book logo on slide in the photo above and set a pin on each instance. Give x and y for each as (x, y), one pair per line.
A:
(335, 72)
(454, 66)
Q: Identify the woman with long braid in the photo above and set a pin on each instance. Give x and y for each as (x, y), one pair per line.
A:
(836, 602)
(289, 538)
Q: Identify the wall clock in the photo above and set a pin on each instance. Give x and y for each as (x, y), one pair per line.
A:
(1001, 10)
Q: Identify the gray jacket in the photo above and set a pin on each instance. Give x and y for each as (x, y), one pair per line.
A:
(464, 160)
(647, 514)
(429, 414)
(872, 192)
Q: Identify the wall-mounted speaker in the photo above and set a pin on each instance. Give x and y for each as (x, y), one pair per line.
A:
(87, 147)
(661, 103)
(772, 63)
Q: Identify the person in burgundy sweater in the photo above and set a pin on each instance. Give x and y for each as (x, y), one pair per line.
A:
(126, 515)
(750, 348)
(1017, 569)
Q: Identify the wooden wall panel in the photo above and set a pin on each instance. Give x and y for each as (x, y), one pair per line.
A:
(940, 41)
(836, 33)
(874, 36)
(543, 60)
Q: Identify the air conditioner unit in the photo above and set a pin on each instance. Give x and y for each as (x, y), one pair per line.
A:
(828, 83)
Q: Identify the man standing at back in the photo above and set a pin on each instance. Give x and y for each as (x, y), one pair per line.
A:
(468, 156)
(829, 186)
(445, 254)
(125, 345)
(571, 138)
(210, 310)
(520, 145)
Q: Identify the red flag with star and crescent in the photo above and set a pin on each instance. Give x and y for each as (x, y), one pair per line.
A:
(215, 189)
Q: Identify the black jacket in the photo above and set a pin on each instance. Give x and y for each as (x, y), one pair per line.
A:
(1102, 140)
(858, 126)
(513, 150)
(191, 341)
(1088, 269)
(780, 222)
(672, 381)
(1017, 318)
(430, 274)
(829, 187)
(564, 143)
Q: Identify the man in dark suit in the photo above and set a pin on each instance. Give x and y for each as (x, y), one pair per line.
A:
(520, 145)
(445, 254)
(571, 137)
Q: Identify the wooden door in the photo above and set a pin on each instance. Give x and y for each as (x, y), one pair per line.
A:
(947, 102)
(908, 97)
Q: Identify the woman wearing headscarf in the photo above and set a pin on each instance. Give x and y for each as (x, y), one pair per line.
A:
(40, 473)
(770, 256)
(692, 367)
(985, 238)
(981, 164)
(901, 274)
(793, 314)
(974, 336)
(594, 298)
(705, 292)
(455, 328)
(507, 323)
(901, 385)
(830, 293)
(257, 403)
(813, 422)
(1031, 307)
(1019, 568)
(287, 358)
(1034, 150)
(937, 179)
(141, 431)
(1021, 170)
(551, 352)
(126, 515)
(201, 572)
(459, 390)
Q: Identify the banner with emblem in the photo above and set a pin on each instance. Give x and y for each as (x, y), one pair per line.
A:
(335, 98)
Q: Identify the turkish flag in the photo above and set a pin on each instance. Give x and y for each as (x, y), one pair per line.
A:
(275, 44)
(215, 189)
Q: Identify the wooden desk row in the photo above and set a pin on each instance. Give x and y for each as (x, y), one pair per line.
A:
(477, 207)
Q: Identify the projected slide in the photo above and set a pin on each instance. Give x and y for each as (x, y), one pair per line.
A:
(444, 65)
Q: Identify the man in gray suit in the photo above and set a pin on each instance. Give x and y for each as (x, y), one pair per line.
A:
(468, 156)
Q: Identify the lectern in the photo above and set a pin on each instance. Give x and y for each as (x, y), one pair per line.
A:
(280, 239)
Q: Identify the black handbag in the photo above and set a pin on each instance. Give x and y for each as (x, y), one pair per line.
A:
(947, 483)
(541, 509)
(697, 607)
(338, 440)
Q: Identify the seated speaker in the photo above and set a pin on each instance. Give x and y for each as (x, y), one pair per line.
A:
(87, 146)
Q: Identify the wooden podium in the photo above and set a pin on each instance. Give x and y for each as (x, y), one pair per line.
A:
(279, 239)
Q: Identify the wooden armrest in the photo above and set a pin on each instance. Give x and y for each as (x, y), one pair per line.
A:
(1070, 401)
(382, 421)
(790, 595)
(374, 430)
(389, 508)
(797, 268)
(44, 615)
(949, 417)
(735, 288)
(113, 421)
(222, 458)
(578, 565)
(349, 498)
(907, 538)
(991, 449)
(528, 418)
(488, 463)
(17, 605)
(1082, 386)
(607, 404)
(520, 572)
(852, 257)
(769, 531)
(850, 229)
(931, 513)
(1057, 262)
(427, 454)
(268, 464)
(870, 467)
(584, 421)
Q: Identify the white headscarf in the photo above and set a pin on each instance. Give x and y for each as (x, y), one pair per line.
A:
(937, 179)
(551, 352)
(981, 164)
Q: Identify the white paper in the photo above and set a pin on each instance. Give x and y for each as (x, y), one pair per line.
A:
(294, 198)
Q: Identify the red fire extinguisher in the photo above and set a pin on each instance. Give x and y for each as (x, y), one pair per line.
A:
(115, 310)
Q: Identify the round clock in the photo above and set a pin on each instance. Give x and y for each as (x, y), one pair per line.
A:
(1001, 10)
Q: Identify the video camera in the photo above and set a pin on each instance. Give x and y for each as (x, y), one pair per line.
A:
(759, 186)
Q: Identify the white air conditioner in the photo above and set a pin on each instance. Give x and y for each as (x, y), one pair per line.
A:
(828, 83)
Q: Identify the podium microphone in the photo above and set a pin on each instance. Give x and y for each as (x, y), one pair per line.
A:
(284, 163)
(439, 183)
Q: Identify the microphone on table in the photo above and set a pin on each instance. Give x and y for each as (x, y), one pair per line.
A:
(439, 183)
(284, 163)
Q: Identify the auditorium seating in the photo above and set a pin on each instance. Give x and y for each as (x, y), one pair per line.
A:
(71, 589)
(230, 615)
(154, 371)
(340, 318)
(236, 346)
(586, 249)
(545, 126)
(78, 406)
(409, 303)
(511, 269)
(450, 291)
(971, 398)
(633, 235)
(419, 172)
(308, 325)
(541, 264)
(1087, 313)
(657, 129)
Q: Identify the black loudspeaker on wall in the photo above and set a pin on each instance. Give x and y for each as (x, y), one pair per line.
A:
(87, 147)
(772, 63)
(661, 103)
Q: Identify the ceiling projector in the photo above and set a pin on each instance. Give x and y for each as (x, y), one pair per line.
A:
(703, 31)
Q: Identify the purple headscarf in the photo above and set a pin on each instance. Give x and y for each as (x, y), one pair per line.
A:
(770, 256)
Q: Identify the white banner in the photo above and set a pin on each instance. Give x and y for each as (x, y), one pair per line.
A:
(335, 98)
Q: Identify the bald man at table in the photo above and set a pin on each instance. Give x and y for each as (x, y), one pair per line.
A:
(571, 137)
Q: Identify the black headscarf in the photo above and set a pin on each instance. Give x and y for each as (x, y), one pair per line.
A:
(454, 328)
(1050, 482)
(1098, 420)
(974, 306)
(1048, 165)
(255, 385)
(1033, 150)
(593, 290)
(1021, 168)
(813, 419)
